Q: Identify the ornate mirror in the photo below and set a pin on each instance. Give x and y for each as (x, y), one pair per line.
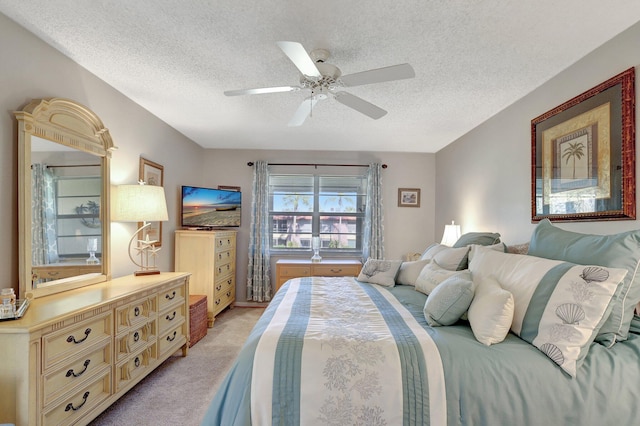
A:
(63, 198)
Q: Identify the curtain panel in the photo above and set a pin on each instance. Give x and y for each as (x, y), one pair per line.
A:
(373, 238)
(258, 276)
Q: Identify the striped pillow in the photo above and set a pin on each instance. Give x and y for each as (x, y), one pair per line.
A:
(559, 306)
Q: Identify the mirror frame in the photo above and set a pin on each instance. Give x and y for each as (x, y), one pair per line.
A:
(68, 123)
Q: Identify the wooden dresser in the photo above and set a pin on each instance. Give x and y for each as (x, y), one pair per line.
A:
(210, 257)
(295, 268)
(75, 353)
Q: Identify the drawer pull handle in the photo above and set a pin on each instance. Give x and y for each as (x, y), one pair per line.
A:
(136, 311)
(136, 336)
(170, 318)
(218, 287)
(173, 295)
(217, 301)
(72, 373)
(172, 338)
(136, 362)
(229, 293)
(335, 271)
(52, 273)
(84, 401)
(73, 339)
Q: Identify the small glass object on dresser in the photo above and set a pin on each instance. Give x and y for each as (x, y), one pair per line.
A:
(315, 245)
(8, 307)
(92, 247)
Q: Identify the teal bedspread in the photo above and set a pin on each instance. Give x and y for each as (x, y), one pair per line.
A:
(511, 383)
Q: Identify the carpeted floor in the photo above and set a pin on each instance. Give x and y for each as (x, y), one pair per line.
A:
(179, 391)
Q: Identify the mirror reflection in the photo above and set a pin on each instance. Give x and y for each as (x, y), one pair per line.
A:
(66, 186)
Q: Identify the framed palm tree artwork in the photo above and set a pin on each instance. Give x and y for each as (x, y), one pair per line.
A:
(583, 155)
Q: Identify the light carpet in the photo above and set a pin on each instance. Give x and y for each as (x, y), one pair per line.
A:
(178, 392)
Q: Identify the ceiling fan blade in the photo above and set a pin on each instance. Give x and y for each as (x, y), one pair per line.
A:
(303, 111)
(360, 105)
(379, 75)
(300, 58)
(262, 90)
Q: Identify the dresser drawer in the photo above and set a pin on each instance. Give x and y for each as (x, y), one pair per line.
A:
(133, 368)
(172, 296)
(293, 271)
(63, 344)
(168, 319)
(225, 256)
(135, 314)
(76, 372)
(224, 243)
(336, 270)
(223, 270)
(71, 410)
(171, 340)
(135, 340)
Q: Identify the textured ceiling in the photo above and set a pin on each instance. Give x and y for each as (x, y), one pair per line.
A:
(471, 58)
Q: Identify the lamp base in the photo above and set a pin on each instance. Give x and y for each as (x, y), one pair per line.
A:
(151, 272)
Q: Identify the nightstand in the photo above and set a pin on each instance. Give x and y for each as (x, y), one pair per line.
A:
(296, 268)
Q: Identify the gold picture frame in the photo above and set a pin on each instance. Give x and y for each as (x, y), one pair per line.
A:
(152, 174)
(583, 155)
(408, 197)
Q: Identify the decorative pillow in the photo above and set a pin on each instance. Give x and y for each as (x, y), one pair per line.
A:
(409, 272)
(518, 248)
(501, 247)
(491, 312)
(480, 238)
(558, 306)
(448, 301)
(613, 251)
(382, 272)
(432, 250)
(432, 275)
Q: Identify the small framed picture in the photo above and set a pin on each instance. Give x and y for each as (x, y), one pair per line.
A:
(408, 197)
(152, 174)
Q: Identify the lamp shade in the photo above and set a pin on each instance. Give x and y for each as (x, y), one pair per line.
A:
(451, 234)
(138, 203)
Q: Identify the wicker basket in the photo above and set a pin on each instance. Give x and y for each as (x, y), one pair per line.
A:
(197, 318)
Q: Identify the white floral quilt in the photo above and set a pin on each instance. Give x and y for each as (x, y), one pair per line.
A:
(345, 353)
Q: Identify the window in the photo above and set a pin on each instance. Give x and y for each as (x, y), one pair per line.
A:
(331, 207)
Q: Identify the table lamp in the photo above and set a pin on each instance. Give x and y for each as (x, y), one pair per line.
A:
(451, 234)
(140, 203)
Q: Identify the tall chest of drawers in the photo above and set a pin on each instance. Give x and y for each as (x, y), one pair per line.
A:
(210, 258)
(75, 353)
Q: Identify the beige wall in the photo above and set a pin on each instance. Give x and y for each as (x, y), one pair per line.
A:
(32, 69)
(483, 180)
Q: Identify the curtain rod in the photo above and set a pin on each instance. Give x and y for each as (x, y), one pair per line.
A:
(384, 166)
(73, 165)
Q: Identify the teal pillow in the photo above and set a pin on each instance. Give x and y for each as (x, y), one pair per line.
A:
(448, 301)
(613, 251)
(479, 238)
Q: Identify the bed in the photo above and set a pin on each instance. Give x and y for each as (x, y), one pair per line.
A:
(338, 351)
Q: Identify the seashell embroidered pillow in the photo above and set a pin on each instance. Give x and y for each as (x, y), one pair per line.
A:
(381, 272)
(558, 306)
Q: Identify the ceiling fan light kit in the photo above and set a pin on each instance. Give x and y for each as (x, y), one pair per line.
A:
(323, 79)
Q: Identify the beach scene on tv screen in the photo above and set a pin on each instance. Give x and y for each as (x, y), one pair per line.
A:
(202, 207)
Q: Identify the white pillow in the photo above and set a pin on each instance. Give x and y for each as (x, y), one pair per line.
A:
(409, 271)
(491, 312)
(447, 257)
(559, 306)
(432, 275)
(382, 272)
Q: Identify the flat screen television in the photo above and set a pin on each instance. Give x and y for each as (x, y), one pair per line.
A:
(208, 208)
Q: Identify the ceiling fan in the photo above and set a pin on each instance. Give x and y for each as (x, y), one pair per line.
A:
(323, 79)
